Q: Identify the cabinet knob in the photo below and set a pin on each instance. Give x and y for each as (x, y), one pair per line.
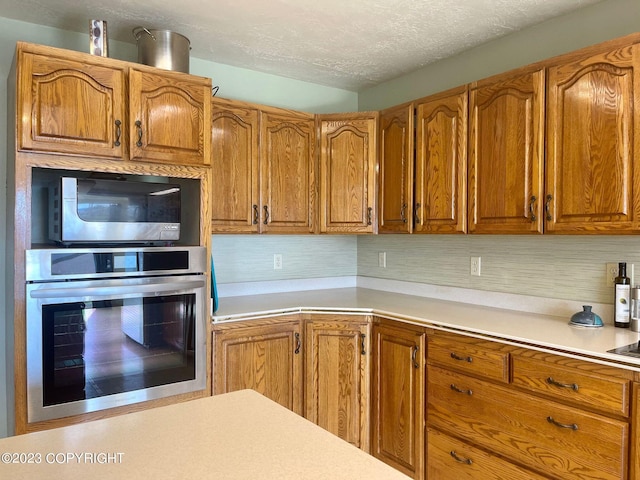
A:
(118, 133)
(547, 207)
(414, 354)
(403, 213)
(369, 215)
(555, 383)
(416, 210)
(571, 426)
(532, 214)
(266, 215)
(363, 350)
(298, 343)
(466, 461)
(256, 214)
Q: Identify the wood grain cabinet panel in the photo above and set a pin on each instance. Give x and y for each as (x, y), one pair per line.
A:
(395, 180)
(266, 358)
(348, 163)
(593, 129)
(506, 153)
(441, 163)
(578, 383)
(169, 118)
(68, 106)
(470, 355)
(264, 159)
(549, 437)
(398, 396)
(78, 104)
(234, 159)
(287, 171)
(337, 376)
(451, 458)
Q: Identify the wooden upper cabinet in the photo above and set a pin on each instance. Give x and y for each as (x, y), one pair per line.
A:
(593, 137)
(287, 171)
(76, 104)
(395, 182)
(169, 118)
(234, 161)
(506, 148)
(348, 172)
(441, 163)
(68, 106)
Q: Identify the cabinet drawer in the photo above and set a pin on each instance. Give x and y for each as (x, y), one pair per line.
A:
(549, 437)
(469, 355)
(453, 458)
(603, 393)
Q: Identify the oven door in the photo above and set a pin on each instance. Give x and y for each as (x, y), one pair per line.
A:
(99, 344)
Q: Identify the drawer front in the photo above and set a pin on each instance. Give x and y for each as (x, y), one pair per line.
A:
(606, 394)
(549, 437)
(453, 458)
(469, 355)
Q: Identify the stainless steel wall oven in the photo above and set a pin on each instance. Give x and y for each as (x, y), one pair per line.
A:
(113, 326)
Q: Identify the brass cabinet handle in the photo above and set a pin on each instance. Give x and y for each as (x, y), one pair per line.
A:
(118, 133)
(414, 354)
(459, 390)
(547, 207)
(532, 202)
(298, 343)
(369, 213)
(416, 218)
(461, 359)
(256, 214)
(572, 426)
(139, 128)
(363, 350)
(403, 213)
(572, 386)
(466, 461)
(266, 214)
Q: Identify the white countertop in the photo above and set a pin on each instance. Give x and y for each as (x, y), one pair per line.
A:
(510, 326)
(238, 435)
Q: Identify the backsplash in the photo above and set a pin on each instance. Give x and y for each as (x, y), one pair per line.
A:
(249, 258)
(568, 267)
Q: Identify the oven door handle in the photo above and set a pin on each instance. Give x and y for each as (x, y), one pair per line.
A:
(117, 290)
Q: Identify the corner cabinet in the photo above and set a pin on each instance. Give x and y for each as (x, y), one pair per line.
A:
(74, 103)
(506, 152)
(398, 396)
(337, 375)
(593, 183)
(348, 172)
(264, 159)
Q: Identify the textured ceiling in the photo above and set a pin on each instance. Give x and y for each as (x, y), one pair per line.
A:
(349, 44)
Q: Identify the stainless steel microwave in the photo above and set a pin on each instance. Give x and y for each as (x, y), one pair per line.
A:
(88, 210)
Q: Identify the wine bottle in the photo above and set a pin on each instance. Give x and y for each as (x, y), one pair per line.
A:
(622, 297)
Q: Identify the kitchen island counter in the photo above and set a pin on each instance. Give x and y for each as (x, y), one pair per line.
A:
(237, 435)
(547, 332)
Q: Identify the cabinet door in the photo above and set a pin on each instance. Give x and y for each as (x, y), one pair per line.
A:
(506, 147)
(395, 183)
(337, 377)
(71, 107)
(441, 163)
(234, 161)
(169, 118)
(593, 126)
(287, 172)
(266, 358)
(347, 173)
(398, 402)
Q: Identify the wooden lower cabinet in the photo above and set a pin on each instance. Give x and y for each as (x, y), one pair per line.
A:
(398, 396)
(337, 375)
(262, 356)
(270, 356)
(451, 458)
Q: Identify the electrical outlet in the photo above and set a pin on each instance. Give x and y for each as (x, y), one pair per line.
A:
(382, 259)
(277, 261)
(612, 273)
(475, 266)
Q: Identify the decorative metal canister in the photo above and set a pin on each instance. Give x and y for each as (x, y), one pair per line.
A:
(98, 42)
